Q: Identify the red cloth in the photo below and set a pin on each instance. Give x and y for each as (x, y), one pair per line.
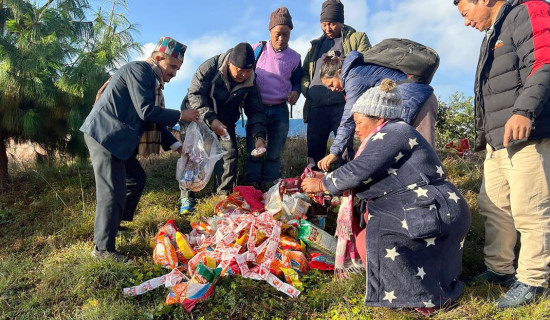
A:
(252, 196)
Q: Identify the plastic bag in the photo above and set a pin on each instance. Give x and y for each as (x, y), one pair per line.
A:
(201, 151)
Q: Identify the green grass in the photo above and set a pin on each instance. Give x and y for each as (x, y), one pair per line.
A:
(47, 272)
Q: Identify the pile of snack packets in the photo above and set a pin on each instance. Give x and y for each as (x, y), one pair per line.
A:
(252, 235)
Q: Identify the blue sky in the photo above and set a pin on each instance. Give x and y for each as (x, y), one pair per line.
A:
(210, 27)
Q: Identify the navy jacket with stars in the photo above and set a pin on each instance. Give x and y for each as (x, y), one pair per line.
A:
(418, 220)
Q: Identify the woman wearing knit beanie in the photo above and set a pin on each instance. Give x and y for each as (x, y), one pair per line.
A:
(414, 220)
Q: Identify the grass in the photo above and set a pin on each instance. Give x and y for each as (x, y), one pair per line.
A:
(47, 272)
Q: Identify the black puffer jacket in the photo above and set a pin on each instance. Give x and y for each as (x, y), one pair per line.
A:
(210, 93)
(513, 72)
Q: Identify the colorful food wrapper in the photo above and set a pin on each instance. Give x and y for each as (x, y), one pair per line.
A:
(165, 252)
(168, 280)
(321, 261)
(199, 288)
(316, 237)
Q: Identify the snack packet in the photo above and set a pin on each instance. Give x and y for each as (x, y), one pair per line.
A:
(316, 237)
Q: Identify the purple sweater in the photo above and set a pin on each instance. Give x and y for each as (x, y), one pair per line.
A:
(277, 73)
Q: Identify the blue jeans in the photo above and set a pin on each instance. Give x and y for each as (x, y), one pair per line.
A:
(277, 131)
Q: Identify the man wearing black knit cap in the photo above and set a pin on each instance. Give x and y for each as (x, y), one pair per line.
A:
(323, 108)
(220, 87)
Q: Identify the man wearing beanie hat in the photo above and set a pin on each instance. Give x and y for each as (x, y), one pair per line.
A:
(278, 74)
(221, 88)
(130, 103)
(323, 108)
(417, 219)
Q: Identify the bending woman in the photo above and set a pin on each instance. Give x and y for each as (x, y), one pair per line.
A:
(416, 220)
(354, 76)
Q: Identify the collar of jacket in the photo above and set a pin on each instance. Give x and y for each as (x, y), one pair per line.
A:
(223, 60)
(346, 32)
(505, 9)
(157, 70)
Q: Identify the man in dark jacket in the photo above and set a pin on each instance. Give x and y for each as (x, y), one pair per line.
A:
(220, 88)
(323, 108)
(512, 112)
(130, 101)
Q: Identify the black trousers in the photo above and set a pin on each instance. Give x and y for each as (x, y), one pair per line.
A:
(321, 122)
(119, 185)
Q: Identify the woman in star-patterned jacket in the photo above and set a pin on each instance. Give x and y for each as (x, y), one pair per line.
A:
(416, 220)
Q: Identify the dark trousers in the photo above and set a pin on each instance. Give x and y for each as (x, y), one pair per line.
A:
(225, 170)
(277, 132)
(119, 185)
(321, 122)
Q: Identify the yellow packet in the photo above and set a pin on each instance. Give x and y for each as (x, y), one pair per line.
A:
(184, 246)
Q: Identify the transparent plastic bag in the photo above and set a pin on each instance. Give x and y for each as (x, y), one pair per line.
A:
(201, 151)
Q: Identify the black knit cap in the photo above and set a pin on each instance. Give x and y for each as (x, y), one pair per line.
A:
(332, 11)
(242, 56)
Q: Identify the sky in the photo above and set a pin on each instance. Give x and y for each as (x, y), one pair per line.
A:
(211, 27)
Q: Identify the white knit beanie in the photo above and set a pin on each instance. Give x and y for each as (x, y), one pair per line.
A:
(383, 101)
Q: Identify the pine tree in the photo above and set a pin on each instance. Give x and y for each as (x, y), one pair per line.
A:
(52, 62)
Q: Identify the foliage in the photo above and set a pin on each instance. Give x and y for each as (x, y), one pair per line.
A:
(455, 120)
(52, 62)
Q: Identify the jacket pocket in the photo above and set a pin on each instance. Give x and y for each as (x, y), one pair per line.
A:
(422, 219)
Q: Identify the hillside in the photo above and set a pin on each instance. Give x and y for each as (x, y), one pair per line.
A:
(47, 272)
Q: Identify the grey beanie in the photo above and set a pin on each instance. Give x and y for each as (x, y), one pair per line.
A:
(383, 101)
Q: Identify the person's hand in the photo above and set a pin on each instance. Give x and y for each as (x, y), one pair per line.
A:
(312, 185)
(293, 97)
(260, 143)
(218, 127)
(260, 148)
(324, 163)
(189, 115)
(179, 150)
(516, 128)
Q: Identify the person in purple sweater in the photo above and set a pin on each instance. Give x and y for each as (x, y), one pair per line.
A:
(278, 74)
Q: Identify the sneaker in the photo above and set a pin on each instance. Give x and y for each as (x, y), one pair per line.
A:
(495, 277)
(187, 205)
(520, 294)
(104, 254)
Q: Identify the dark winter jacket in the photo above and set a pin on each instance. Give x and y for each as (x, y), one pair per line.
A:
(513, 72)
(117, 119)
(210, 93)
(351, 40)
(417, 219)
(357, 77)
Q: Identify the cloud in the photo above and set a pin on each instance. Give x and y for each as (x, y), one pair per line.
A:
(417, 20)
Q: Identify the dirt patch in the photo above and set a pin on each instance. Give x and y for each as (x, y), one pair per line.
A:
(23, 152)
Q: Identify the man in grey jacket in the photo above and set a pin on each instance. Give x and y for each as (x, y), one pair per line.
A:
(112, 131)
(512, 112)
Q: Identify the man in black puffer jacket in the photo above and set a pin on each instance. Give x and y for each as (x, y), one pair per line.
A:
(221, 86)
(512, 116)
